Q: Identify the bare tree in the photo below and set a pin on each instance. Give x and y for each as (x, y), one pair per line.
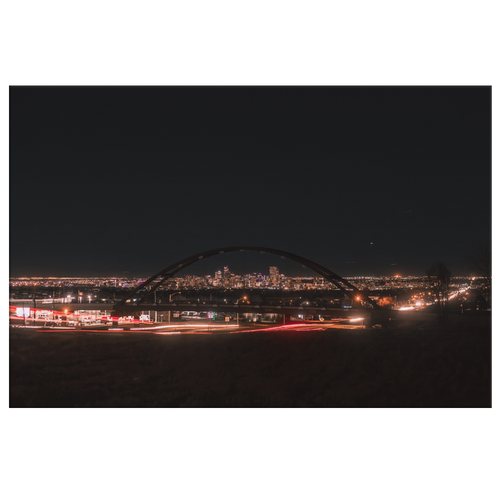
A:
(479, 262)
(439, 277)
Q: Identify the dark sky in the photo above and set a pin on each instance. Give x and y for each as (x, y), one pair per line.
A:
(363, 180)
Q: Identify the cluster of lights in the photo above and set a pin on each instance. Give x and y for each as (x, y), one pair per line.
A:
(231, 281)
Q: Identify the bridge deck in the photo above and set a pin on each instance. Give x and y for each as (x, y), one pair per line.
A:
(226, 308)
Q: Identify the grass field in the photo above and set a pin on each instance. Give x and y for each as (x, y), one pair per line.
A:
(441, 367)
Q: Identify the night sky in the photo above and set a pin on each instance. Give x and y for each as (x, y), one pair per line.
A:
(363, 180)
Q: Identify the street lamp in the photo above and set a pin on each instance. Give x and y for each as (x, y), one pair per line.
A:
(156, 312)
(237, 313)
(170, 300)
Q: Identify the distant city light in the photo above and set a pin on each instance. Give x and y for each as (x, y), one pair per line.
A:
(388, 292)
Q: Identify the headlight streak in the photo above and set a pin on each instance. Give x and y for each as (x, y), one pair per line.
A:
(184, 326)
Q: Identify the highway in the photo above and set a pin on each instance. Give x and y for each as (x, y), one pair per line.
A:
(199, 328)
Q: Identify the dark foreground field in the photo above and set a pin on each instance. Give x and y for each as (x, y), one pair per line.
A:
(337, 368)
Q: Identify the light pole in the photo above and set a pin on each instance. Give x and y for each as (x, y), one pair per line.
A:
(156, 315)
(237, 313)
(170, 300)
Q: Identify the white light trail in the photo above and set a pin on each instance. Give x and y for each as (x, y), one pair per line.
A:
(208, 325)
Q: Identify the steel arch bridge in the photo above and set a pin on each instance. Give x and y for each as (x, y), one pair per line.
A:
(161, 276)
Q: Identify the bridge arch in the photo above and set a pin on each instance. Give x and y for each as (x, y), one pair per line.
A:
(345, 286)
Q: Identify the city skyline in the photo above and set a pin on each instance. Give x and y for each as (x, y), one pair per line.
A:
(236, 281)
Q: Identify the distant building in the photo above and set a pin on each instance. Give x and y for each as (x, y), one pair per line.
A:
(274, 275)
(217, 278)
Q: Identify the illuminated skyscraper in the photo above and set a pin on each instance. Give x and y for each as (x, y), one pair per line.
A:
(274, 275)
